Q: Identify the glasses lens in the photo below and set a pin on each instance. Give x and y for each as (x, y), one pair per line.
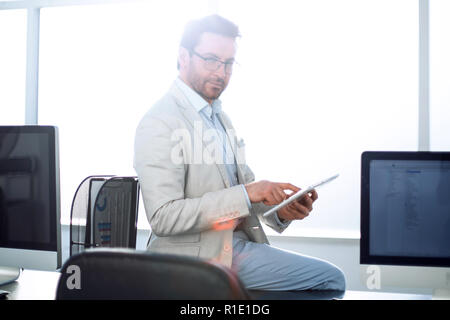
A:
(212, 64)
(229, 67)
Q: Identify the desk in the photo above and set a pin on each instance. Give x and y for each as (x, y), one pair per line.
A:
(41, 285)
(375, 295)
(334, 295)
(33, 285)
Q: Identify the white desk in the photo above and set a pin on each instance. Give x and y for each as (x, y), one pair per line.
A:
(375, 295)
(33, 285)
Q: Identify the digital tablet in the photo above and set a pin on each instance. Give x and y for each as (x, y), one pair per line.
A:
(299, 194)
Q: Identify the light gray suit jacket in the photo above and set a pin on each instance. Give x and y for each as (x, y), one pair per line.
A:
(189, 205)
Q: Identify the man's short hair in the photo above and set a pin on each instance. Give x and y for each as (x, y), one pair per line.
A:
(213, 23)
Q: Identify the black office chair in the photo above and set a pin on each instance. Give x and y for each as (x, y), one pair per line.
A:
(105, 273)
(104, 213)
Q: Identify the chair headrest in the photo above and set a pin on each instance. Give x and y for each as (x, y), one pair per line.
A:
(107, 273)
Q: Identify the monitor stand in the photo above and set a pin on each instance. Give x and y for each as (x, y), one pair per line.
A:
(8, 274)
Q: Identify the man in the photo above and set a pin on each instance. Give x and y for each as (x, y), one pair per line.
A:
(200, 197)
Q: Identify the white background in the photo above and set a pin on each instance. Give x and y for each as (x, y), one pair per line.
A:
(320, 82)
(13, 27)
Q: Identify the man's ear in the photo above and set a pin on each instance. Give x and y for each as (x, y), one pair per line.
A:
(183, 58)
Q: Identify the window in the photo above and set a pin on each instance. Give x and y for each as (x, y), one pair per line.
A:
(440, 75)
(13, 26)
(322, 81)
(101, 68)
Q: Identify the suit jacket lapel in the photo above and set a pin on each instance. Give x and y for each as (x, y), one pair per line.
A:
(232, 139)
(192, 117)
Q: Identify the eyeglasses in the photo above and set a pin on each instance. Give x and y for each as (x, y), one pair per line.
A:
(213, 64)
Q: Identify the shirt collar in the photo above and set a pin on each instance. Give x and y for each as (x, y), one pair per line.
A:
(200, 104)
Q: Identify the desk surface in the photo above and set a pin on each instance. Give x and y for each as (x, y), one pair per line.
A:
(41, 285)
(33, 285)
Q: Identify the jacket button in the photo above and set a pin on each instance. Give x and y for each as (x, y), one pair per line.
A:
(226, 247)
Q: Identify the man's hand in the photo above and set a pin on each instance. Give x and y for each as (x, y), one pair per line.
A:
(299, 209)
(270, 193)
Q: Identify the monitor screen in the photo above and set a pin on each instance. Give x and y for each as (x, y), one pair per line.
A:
(29, 188)
(405, 208)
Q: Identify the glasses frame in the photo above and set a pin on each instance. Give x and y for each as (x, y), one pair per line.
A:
(219, 63)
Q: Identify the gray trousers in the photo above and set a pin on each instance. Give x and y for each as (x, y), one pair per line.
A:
(263, 267)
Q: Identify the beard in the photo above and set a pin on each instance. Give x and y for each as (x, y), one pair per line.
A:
(209, 88)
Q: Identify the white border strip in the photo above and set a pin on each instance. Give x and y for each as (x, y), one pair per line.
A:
(424, 76)
(29, 4)
(32, 70)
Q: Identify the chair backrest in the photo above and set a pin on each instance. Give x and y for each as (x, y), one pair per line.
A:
(104, 213)
(139, 275)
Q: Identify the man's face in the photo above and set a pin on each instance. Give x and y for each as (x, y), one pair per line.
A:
(209, 84)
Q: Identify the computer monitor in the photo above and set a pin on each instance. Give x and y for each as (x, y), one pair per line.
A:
(405, 220)
(30, 232)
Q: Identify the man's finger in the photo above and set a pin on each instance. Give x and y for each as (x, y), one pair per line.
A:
(286, 214)
(307, 202)
(314, 195)
(278, 195)
(282, 194)
(288, 186)
(299, 210)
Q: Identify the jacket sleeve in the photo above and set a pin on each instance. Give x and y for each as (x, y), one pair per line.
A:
(162, 182)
